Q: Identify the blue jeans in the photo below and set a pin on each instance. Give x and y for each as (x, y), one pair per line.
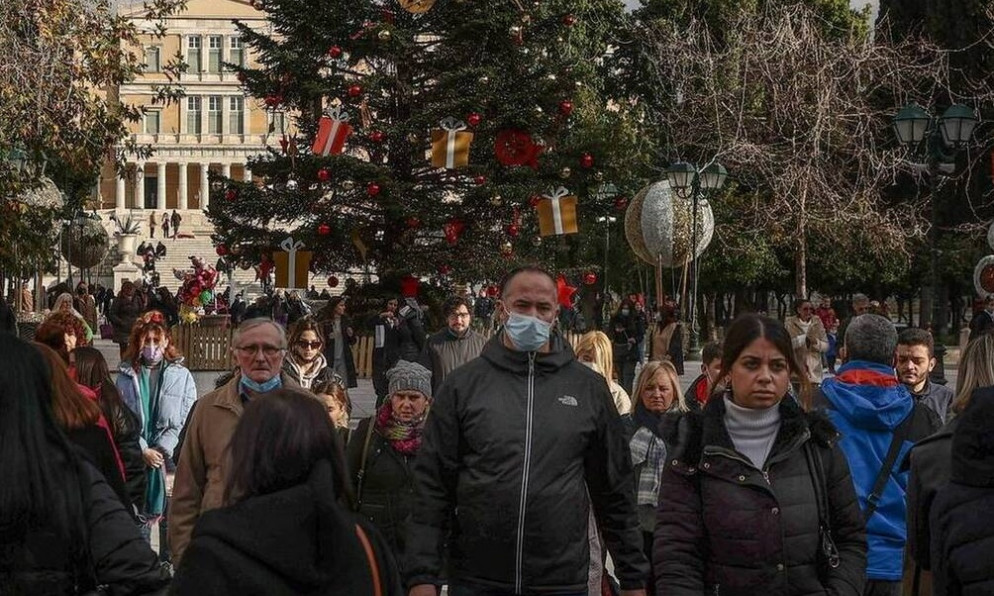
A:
(456, 589)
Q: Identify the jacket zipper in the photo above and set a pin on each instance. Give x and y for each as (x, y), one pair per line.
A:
(524, 475)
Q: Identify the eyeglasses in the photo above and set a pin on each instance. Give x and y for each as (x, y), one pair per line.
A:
(269, 351)
(309, 344)
(459, 315)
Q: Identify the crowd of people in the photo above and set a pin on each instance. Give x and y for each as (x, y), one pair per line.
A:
(516, 464)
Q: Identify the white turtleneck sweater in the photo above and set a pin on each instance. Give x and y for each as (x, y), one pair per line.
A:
(752, 431)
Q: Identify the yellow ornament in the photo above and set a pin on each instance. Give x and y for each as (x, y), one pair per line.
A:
(417, 6)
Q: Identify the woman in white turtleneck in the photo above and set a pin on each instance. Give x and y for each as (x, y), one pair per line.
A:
(738, 506)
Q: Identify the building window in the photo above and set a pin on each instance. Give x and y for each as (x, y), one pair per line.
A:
(153, 60)
(236, 55)
(193, 115)
(236, 111)
(277, 122)
(152, 122)
(214, 115)
(193, 54)
(214, 53)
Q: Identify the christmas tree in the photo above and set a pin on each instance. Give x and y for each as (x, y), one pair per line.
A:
(431, 136)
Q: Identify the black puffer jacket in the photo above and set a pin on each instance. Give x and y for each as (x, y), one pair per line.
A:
(725, 527)
(125, 428)
(387, 485)
(513, 442)
(962, 526)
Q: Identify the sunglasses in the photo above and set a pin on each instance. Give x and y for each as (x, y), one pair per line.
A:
(309, 344)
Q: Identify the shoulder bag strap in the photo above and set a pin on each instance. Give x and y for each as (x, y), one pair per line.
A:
(374, 568)
(873, 499)
(820, 484)
(362, 462)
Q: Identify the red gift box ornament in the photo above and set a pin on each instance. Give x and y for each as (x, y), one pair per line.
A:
(516, 148)
(333, 130)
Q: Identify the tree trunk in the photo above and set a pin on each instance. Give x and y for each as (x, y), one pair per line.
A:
(801, 262)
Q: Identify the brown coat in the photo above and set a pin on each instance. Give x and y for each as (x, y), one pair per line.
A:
(809, 357)
(202, 470)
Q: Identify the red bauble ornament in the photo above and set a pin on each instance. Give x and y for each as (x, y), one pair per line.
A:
(474, 119)
(569, 20)
(590, 278)
(221, 250)
(480, 180)
(566, 107)
(324, 175)
(335, 52)
(620, 203)
(413, 223)
(230, 194)
(355, 91)
(332, 282)
(444, 269)
(516, 148)
(373, 189)
(324, 230)
(377, 136)
(586, 161)
(513, 231)
(273, 100)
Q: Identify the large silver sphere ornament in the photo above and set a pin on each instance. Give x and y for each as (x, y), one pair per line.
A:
(990, 236)
(84, 243)
(662, 228)
(983, 276)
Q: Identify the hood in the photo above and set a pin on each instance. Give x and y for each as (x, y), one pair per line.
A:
(559, 355)
(868, 395)
(300, 533)
(973, 441)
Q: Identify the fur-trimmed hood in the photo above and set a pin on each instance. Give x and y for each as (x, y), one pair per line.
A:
(687, 433)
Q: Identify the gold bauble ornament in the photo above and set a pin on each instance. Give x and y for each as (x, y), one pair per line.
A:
(599, 176)
(514, 30)
(537, 241)
(496, 200)
(417, 6)
(348, 185)
(565, 173)
(384, 35)
(506, 248)
(413, 139)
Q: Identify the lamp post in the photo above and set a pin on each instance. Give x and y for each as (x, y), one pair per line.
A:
(685, 176)
(607, 220)
(938, 140)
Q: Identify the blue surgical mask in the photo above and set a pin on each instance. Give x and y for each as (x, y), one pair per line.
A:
(528, 334)
(274, 383)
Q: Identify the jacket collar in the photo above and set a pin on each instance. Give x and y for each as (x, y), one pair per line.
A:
(559, 355)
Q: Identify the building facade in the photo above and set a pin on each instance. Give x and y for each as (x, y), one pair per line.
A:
(215, 127)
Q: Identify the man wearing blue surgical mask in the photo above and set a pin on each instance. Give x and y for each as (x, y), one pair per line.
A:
(258, 347)
(516, 440)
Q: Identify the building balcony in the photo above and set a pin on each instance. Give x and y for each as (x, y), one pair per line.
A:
(169, 138)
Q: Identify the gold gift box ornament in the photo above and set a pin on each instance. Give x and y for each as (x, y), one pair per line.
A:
(292, 265)
(450, 144)
(557, 213)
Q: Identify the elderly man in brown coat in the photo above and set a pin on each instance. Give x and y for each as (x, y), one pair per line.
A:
(259, 346)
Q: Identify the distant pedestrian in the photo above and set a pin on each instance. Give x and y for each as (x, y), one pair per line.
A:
(86, 304)
(8, 321)
(165, 224)
(809, 339)
(915, 362)
(594, 351)
(152, 223)
(983, 321)
(456, 344)
(124, 312)
(624, 333)
(704, 386)
(176, 220)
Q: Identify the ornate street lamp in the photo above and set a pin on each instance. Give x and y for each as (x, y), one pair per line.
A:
(956, 125)
(684, 176)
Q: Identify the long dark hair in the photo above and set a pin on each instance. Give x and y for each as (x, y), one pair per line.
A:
(749, 327)
(276, 444)
(41, 484)
(92, 371)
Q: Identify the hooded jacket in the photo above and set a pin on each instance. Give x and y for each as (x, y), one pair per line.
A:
(298, 541)
(513, 444)
(726, 527)
(867, 404)
(177, 392)
(962, 527)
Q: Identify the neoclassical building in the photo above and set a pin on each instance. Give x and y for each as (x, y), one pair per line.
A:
(214, 127)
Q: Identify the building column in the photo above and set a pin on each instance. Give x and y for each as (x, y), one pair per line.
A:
(203, 54)
(120, 194)
(205, 190)
(160, 194)
(139, 186)
(181, 200)
(246, 173)
(205, 127)
(226, 170)
(246, 119)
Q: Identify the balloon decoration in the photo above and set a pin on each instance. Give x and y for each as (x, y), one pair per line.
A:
(659, 225)
(196, 292)
(332, 282)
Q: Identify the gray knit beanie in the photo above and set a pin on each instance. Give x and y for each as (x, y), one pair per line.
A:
(409, 376)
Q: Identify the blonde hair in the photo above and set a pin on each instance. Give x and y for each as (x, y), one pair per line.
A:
(598, 345)
(976, 369)
(649, 372)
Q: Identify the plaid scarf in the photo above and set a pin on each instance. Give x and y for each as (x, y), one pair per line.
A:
(648, 456)
(404, 437)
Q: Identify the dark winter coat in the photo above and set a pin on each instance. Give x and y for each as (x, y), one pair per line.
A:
(126, 430)
(96, 447)
(962, 526)
(513, 443)
(8, 322)
(122, 560)
(123, 314)
(387, 495)
(726, 527)
(329, 349)
(298, 541)
(446, 352)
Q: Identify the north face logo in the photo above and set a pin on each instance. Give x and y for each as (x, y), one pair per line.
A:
(568, 400)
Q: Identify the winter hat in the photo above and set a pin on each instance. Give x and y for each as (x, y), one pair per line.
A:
(409, 376)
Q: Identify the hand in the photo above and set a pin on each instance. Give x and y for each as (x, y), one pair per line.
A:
(153, 458)
(424, 590)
